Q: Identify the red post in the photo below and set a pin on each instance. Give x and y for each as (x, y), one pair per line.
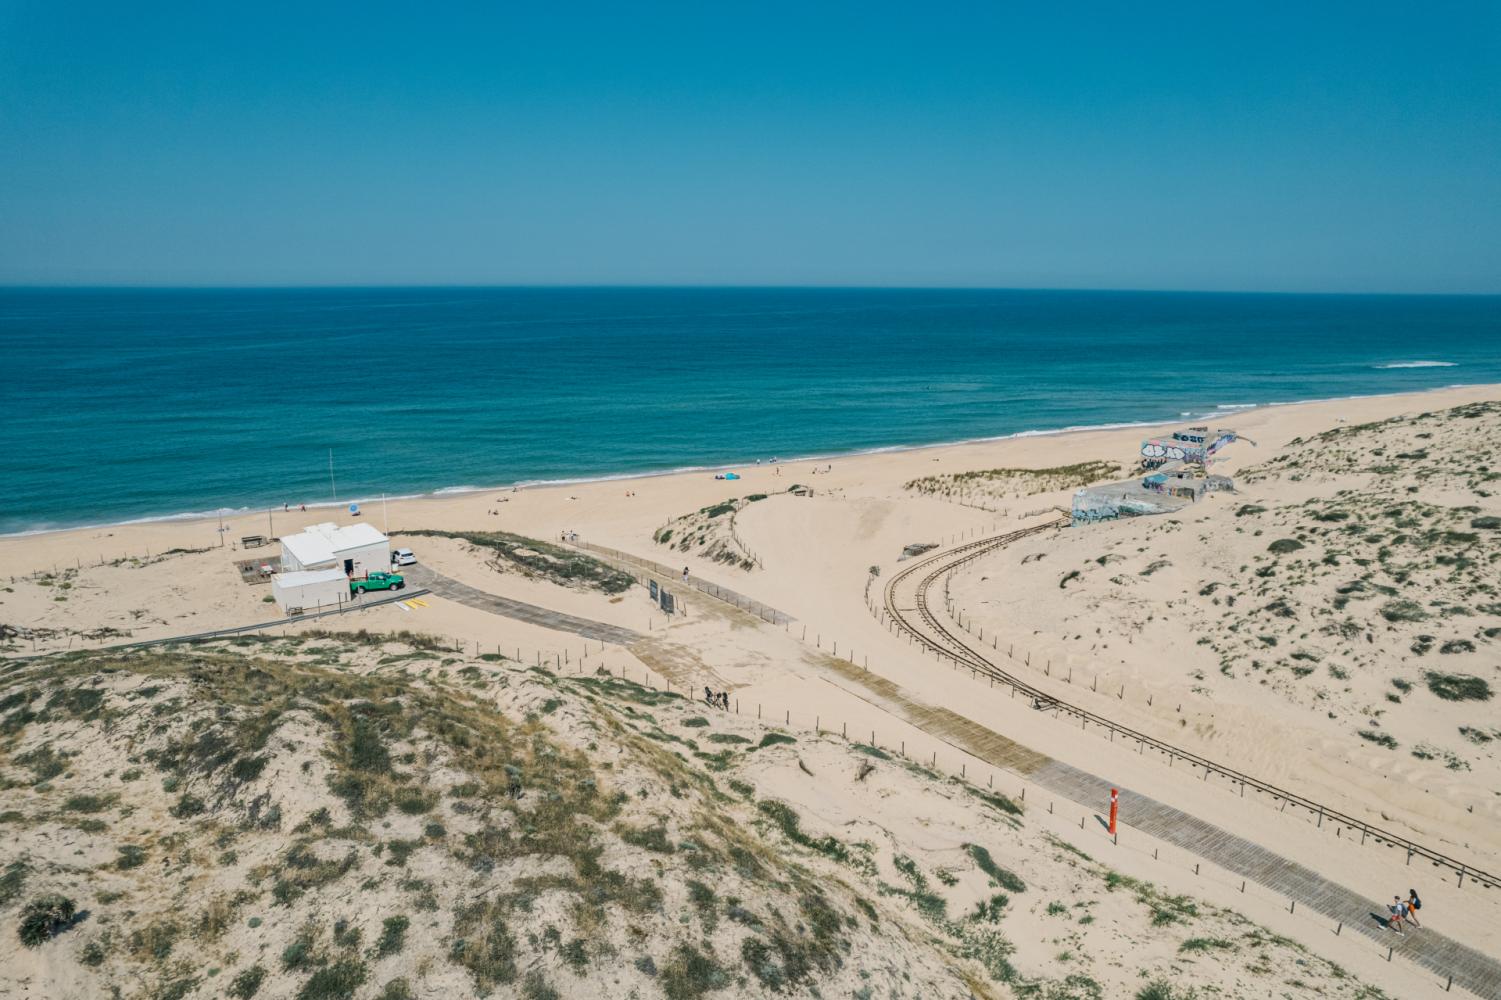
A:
(1114, 806)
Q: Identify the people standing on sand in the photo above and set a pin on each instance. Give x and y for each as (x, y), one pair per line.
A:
(708, 695)
(724, 700)
(1414, 904)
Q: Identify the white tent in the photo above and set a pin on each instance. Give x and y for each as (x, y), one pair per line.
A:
(356, 549)
(310, 590)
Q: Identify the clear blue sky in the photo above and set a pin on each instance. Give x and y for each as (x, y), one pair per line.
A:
(1297, 146)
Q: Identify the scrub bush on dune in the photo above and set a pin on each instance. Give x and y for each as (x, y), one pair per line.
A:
(44, 917)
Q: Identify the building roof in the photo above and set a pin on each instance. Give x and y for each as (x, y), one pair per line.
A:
(324, 542)
(353, 536)
(306, 577)
(309, 548)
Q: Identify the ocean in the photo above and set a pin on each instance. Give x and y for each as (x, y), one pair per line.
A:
(129, 404)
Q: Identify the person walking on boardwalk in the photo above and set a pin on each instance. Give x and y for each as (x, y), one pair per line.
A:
(1394, 919)
(685, 574)
(1414, 904)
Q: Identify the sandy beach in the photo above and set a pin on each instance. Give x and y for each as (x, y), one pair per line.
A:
(837, 667)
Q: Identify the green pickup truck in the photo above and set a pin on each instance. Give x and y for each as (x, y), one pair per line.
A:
(377, 581)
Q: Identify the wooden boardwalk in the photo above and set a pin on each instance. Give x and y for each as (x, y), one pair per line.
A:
(532, 614)
(1475, 971)
(1472, 969)
(673, 579)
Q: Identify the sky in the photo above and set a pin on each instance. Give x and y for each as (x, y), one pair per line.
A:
(1238, 146)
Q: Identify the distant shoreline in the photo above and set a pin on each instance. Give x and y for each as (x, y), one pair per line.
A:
(1222, 411)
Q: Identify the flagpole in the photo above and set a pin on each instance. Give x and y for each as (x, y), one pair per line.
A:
(331, 487)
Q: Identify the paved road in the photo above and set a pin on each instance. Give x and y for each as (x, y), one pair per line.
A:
(462, 593)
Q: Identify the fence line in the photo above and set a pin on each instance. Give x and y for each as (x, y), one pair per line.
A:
(735, 535)
(665, 574)
(1058, 806)
(977, 664)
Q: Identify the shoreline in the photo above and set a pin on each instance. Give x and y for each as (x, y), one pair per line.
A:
(450, 492)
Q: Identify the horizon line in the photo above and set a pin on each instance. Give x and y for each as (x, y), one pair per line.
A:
(709, 286)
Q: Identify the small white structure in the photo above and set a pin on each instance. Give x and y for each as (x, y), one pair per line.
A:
(356, 549)
(310, 590)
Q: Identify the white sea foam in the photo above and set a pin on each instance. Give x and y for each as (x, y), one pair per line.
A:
(727, 466)
(1418, 364)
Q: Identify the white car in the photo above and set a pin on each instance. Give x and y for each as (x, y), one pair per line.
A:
(403, 557)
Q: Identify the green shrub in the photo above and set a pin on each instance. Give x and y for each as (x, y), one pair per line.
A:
(187, 806)
(301, 952)
(248, 983)
(536, 987)
(334, 982)
(44, 917)
(11, 881)
(483, 944)
(652, 838)
(397, 989)
(88, 803)
(690, 974)
(392, 936)
(1380, 739)
(1458, 687)
(1403, 611)
(1161, 989)
(786, 818)
(1003, 877)
(1282, 546)
(538, 558)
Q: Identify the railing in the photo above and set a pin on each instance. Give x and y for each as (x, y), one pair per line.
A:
(740, 542)
(764, 612)
(960, 652)
(404, 595)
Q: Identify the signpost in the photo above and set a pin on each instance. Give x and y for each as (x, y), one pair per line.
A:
(1114, 806)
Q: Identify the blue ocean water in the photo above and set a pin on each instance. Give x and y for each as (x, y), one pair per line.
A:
(123, 404)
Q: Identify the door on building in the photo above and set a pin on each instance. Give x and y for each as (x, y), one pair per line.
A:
(349, 567)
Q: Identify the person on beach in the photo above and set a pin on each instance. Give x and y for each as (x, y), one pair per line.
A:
(708, 695)
(1394, 921)
(724, 700)
(685, 574)
(1414, 904)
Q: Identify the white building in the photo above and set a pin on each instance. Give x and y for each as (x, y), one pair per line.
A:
(310, 590)
(355, 549)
